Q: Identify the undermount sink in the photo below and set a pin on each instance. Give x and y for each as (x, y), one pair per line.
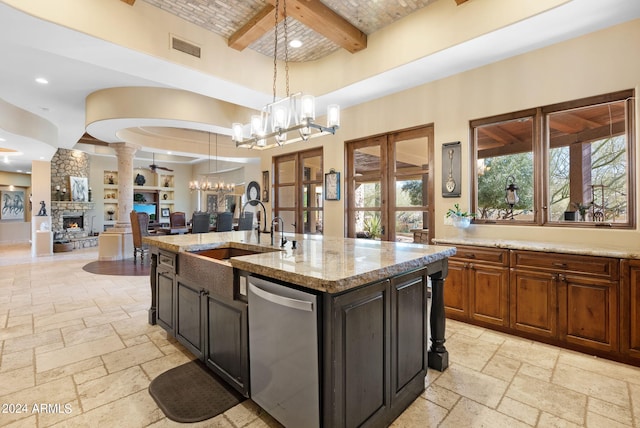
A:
(225, 253)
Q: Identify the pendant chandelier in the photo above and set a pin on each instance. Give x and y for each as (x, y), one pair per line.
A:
(289, 119)
(205, 184)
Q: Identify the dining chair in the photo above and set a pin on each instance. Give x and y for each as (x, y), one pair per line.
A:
(200, 222)
(224, 222)
(139, 228)
(245, 222)
(177, 219)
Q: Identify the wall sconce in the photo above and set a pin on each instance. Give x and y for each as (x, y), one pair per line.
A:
(511, 196)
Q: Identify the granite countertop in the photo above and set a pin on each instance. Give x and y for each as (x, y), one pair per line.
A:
(603, 250)
(326, 264)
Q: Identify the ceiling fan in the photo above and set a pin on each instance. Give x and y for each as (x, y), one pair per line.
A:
(153, 165)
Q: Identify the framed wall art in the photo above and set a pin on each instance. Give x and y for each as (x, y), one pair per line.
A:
(451, 170)
(12, 205)
(332, 186)
(79, 189)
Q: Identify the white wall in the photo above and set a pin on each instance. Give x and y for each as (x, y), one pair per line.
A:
(598, 63)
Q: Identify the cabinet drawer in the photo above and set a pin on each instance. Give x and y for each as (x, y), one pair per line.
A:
(167, 260)
(601, 267)
(481, 254)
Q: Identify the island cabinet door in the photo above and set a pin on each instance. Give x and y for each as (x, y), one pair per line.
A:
(165, 296)
(408, 338)
(189, 320)
(227, 341)
(357, 391)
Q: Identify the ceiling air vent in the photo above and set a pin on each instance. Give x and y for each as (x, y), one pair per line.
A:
(186, 47)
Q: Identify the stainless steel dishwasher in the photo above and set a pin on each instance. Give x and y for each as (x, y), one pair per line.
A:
(283, 353)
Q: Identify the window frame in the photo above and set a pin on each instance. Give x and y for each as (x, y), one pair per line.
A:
(541, 150)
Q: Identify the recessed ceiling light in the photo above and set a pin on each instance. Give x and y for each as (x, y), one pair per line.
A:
(169, 153)
(295, 43)
(42, 80)
(2, 139)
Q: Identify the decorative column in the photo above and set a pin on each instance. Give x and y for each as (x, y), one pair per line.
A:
(124, 153)
(117, 242)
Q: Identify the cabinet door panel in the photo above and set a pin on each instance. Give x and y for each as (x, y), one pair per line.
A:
(489, 300)
(591, 314)
(630, 310)
(165, 300)
(189, 318)
(410, 331)
(456, 292)
(362, 372)
(534, 303)
(227, 345)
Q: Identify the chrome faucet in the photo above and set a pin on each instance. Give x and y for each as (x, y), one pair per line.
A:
(283, 240)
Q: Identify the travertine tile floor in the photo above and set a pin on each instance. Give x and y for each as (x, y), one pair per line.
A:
(79, 344)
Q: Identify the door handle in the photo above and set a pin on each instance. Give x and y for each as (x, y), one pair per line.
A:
(301, 305)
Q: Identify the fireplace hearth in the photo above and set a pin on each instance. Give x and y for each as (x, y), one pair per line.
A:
(73, 222)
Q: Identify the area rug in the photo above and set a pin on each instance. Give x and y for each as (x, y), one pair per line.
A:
(192, 393)
(118, 267)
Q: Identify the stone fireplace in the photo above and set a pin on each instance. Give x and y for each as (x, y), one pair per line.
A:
(71, 221)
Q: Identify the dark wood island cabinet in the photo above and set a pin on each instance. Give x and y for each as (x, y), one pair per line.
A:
(372, 323)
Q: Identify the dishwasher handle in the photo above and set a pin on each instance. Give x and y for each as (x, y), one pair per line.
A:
(301, 305)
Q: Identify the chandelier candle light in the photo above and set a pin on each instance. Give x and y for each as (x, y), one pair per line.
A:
(205, 184)
(295, 113)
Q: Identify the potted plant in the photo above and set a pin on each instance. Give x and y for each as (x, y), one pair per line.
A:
(461, 219)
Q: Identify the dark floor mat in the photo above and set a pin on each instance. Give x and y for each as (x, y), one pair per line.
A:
(192, 393)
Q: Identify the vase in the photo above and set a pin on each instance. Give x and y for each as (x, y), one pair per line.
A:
(461, 222)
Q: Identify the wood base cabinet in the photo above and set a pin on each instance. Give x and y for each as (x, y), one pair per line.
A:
(477, 286)
(587, 303)
(630, 310)
(571, 298)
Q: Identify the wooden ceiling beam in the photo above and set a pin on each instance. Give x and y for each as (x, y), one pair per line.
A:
(459, 2)
(129, 2)
(257, 27)
(325, 21)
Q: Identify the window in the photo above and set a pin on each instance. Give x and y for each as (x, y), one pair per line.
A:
(575, 172)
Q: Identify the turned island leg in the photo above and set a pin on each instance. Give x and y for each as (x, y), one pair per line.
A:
(438, 354)
(152, 282)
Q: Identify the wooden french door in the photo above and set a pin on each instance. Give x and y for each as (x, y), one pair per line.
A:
(389, 185)
(298, 191)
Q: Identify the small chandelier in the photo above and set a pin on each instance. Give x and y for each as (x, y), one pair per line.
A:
(289, 119)
(205, 184)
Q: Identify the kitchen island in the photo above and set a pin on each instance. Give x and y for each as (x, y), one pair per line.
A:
(371, 300)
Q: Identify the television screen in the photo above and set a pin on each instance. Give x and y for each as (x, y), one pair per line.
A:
(146, 208)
